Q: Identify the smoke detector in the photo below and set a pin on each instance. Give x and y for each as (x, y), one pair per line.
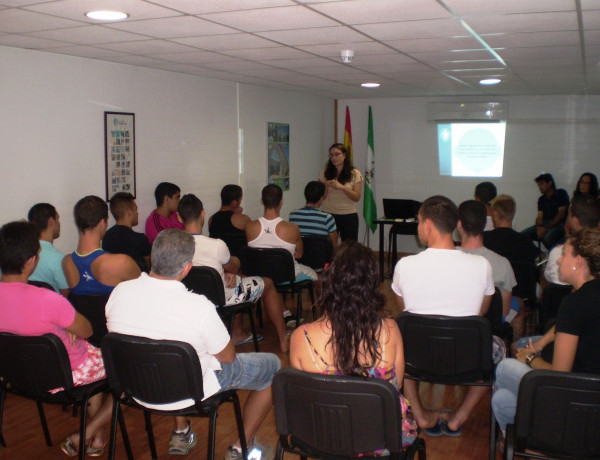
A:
(347, 56)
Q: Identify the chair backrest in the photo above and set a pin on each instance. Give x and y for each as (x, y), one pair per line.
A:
(552, 296)
(526, 275)
(494, 313)
(153, 371)
(33, 365)
(446, 349)
(208, 282)
(337, 415)
(559, 413)
(92, 307)
(234, 241)
(277, 264)
(318, 251)
(41, 284)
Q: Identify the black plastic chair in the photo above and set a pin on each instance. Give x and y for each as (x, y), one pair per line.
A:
(161, 372)
(92, 307)
(494, 316)
(31, 367)
(41, 284)
(552, 296)
(234, 241)
(207, 281)
(278, 264)
(450, 351)
(558, 414)
(318, 251)
(336, 417)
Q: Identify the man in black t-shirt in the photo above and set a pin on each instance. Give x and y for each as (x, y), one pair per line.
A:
(121, 238)
(516, 247)
(552, 207)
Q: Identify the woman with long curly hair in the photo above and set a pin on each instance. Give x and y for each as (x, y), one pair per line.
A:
(343, 183)
(586, 185)
(353, 336)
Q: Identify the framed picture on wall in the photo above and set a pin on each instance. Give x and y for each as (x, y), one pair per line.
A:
(278, 154)
(119, 152)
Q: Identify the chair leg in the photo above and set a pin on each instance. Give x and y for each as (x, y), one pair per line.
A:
(148, 418)
(237, 408)
(112, 440)
(313, 307)
(259, 314)
(82, 427)
(40, 409)
(298, 306)
(493, 432)
(2, 396)
(125, 436)
(280, 451)
(212, 429)
(253, 329)
(422, 450)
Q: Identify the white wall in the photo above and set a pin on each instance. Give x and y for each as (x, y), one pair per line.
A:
(557, 134)
(51, 126)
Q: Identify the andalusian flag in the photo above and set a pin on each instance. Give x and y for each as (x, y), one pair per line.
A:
(369, 205)
(348, 135)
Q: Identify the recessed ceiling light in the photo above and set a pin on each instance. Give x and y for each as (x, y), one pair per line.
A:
(490, 81)
(105, 15)
(370, 85)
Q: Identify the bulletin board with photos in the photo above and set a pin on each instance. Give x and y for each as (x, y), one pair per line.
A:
(119, 141)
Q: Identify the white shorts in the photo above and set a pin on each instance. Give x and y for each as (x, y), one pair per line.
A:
(247, 289)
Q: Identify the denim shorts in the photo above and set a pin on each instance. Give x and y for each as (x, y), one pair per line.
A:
(249, 371)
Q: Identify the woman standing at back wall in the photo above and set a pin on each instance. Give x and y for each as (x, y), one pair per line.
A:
(343, 183)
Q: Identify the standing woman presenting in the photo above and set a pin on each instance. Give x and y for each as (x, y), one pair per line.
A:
(343, 182)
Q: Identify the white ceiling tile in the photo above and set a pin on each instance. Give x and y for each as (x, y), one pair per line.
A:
(265, 54)
(147, 47)
(280, 18)
(467, 8)
(434, 28)
(20, 21)
(527, 39)
(373, 11)
(217, 6)
(515, 23)
(86, 51)
(226, 42)
(24, 41)
(76, 9)
(333, 50)
(179, 26)
(88, 35)
(422, 45)
(344, 37)
(196, 57)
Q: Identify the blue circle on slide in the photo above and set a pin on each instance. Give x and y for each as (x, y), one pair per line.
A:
(478, 150)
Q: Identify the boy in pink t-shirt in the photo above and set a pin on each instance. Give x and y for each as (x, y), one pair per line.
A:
(32, 311)
(165, 215)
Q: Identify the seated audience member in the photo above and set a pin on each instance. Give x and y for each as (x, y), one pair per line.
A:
(229, 218)
(158, 306)
(310, 219)
(212, 252)
(576, 335)
(120, 238)
(486, 192)
(369, 345)
(442, 281)
(271, 231)
(33, 311)
(584, 212)
(49, 267)
(165, 215)
(509, 243)
(586, 185)
(471, 222)
(552, 213)
(89, 269)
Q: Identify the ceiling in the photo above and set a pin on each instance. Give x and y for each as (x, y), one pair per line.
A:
(411, 47)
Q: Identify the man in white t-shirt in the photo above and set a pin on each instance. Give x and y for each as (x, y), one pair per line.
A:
(442, 281)
(213, 252)
(158, 306)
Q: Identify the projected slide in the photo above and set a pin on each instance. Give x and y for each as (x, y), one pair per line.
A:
(471, 149)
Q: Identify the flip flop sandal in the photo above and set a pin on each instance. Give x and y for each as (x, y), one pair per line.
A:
(69, 448)
(250, 339)
(95, 451)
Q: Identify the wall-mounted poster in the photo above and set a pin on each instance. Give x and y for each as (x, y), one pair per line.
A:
(119, 146)
(278, 154)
